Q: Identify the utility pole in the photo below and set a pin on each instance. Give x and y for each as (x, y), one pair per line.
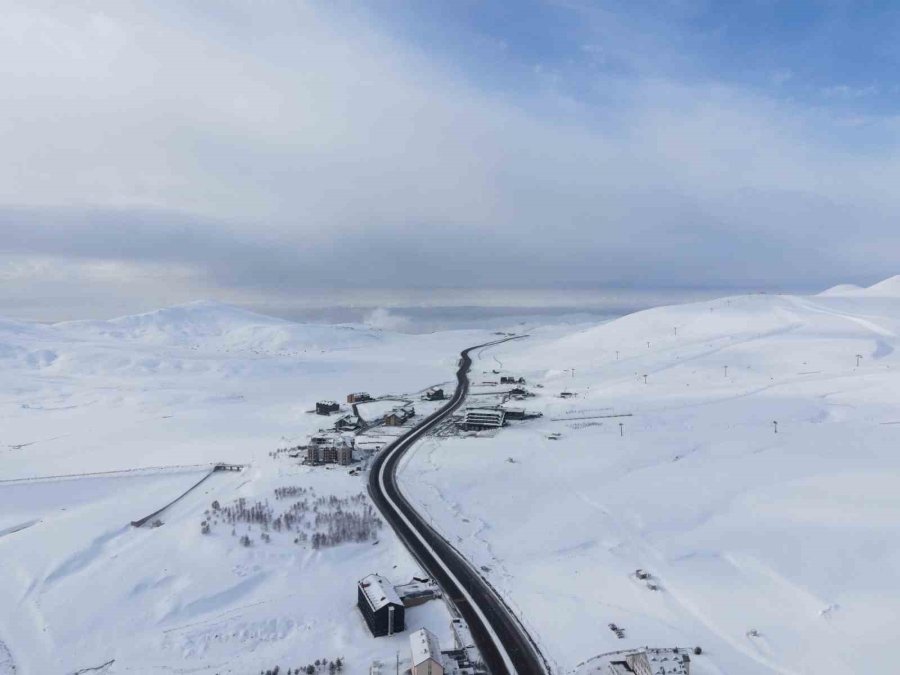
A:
(726, 371)
(617, 355)
(648, 345)
(775, 423)
(621, 428)
(858, 357)
(645, 379)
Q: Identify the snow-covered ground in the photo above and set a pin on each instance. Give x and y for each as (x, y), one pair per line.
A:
(775, 552)
(154, 399)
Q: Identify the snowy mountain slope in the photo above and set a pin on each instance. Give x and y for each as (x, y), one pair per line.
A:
(156, 399)
(220, 325)
(841, 289)
(777, 552)
(888, 288)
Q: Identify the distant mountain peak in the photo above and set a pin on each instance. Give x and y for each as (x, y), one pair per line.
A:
(887, 288)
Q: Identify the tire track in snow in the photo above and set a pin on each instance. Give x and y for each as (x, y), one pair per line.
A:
(853, 318)
(7, 663)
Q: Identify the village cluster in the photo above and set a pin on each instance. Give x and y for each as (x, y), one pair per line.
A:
(496, 404)
(383, 606)
(365, 424)
(361, 426)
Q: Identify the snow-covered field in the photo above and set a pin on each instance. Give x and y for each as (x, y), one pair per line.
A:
(155, 399)
(776, 553)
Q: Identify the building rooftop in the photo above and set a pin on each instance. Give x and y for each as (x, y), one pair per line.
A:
(424, 645)
(462, 633)
(416, 586)
(379, 591)
(666, 662)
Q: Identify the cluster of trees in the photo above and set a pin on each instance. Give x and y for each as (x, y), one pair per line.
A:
(336, 524)
(290, 491)
(323, 521)
(320, 666)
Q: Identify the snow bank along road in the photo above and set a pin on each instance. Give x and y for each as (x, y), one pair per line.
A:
(504, 644)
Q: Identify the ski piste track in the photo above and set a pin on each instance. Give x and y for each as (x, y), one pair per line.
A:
(503, 642)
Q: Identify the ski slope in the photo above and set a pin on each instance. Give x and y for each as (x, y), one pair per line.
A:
(775, 552)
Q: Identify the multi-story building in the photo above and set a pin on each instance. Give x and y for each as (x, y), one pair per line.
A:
(476, 419)
(329, 449)
(380, 606)
(327, 407)
(426, 653)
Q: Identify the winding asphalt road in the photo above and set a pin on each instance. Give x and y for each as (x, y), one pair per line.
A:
(503, 642)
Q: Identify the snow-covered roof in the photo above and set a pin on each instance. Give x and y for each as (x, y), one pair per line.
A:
(665, 662)
(401, 411)
(462, 633)
(379, 591)
(424, 645)
(416, 586)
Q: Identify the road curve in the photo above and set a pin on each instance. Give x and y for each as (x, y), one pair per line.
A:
(503, 642)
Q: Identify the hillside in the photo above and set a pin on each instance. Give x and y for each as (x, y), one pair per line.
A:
(104, 422)
(221, 326)
(887, 288)
(775, 550)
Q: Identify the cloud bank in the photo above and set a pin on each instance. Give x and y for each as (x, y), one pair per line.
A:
(237, 147)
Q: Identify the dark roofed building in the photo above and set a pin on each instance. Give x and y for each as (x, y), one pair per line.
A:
(327, 407)
(348, 423)
(434, 394)
(398, 416)
(380, 606)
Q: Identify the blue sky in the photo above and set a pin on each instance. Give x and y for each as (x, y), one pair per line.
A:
(842, 56)
(234, 149)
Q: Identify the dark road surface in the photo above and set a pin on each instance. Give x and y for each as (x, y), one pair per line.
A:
(504, 644)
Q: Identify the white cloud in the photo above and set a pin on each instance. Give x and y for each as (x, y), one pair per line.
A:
(301, 146)
(384, 319)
